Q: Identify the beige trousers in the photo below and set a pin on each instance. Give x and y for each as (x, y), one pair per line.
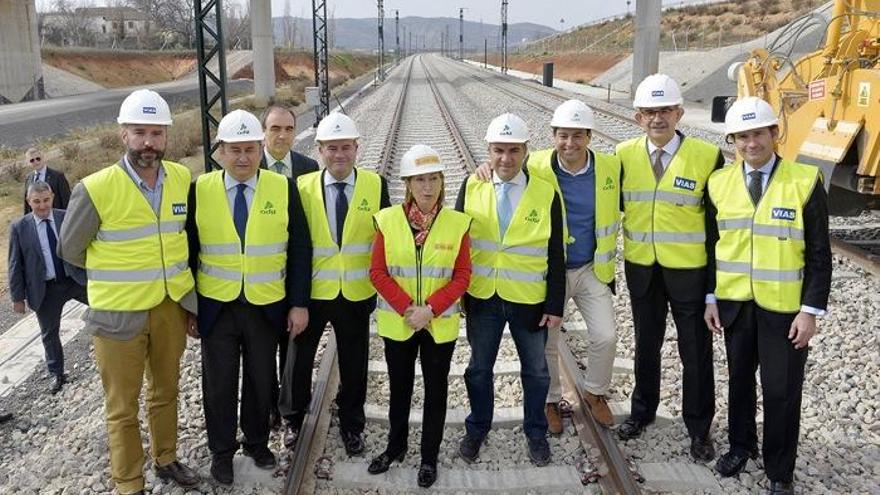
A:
(593, 300)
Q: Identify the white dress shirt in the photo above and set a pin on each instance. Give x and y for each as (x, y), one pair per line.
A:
(669, 150)
(40, 174)
(563, 167)
(330, 194)
(44, 243)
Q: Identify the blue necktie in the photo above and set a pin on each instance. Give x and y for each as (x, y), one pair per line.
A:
(53, 249)
(505, 209)
(341, 210)
(280, 167)
(240, 212)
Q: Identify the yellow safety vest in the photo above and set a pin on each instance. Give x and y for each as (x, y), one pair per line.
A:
(607, 206)
(137, 258)
(665, 222)
(223, 267)
(420, 275)
(514, 267)
(760, 250)
(346, 269)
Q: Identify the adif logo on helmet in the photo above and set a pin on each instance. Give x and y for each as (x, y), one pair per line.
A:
(576, 117)
(506, 131)
(243, 130)
(338, 128)
(656, 93)
(749, 116)
(149, 110)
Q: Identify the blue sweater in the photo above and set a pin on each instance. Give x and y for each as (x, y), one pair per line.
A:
(579, 194)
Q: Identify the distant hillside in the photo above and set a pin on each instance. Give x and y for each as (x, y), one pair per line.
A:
(699, 27)
(361, 34)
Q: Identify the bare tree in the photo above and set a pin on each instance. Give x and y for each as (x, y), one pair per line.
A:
(73, 24)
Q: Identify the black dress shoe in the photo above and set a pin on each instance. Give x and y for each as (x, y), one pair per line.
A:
(733, 462)
(469, 448)
(632, 428)
(5, 416)
(221, 470)
(380, 464)
(702, 448)
(781, 488)
(291, 434)
(57, 382)
(539, 451)
(180, 474)
(262, 456)
(427, 475)
(353, 442)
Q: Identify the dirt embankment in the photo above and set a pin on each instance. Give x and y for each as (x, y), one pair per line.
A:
(572, 66)
(295, 66)
(116, 68)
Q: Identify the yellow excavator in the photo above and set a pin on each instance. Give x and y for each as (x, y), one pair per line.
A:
(828, 102)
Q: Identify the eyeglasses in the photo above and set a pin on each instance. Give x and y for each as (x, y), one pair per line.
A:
(662, 112)
(35, 159)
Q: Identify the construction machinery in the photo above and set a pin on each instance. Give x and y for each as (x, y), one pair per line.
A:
(828, 102)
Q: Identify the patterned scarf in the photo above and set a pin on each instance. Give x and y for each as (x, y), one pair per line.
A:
(419, 221)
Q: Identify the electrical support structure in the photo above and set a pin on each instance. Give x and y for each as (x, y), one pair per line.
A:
(319, 50)
(209, 46)
(504, 36)
(380, 70)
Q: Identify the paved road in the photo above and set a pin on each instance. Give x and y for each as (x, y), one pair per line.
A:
(23, 123)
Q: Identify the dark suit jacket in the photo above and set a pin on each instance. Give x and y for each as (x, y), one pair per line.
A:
(301, 164)
(817, 254)
(57, 181)
(554, 303)
(688, 284)
(27, 268)
(298, 281)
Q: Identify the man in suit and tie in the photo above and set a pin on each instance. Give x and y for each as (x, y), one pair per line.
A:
(663, 188)
(250, 247)
(42, 173)
(279, 128)
(38, 277)
(769, 279)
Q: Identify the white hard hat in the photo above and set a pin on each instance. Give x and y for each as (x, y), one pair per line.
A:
(336, 126)
(507, 128)
(239, 126)
(657, 90)
(749, 113)
(573, 114)
(144, 106)
(420, 159)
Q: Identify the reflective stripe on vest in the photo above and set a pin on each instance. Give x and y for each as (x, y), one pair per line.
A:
(760, 250)
(224, 271)
(512, 267)
(607, 205)
(422, 274)
(345, 270)
(664, 221)
(137, 258)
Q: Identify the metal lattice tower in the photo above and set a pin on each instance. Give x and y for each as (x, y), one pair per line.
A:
(209, 46)
(319, 45)
(397, 35)
(504, 36)
(380, 70)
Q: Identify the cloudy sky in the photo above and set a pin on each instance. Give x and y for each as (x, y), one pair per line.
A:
(574, 12)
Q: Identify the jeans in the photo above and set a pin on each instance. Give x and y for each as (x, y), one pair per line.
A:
(486, 319)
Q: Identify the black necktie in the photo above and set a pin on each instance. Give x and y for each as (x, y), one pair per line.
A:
(53, 249)
(341, 210)
(756, 189)
(240, 212)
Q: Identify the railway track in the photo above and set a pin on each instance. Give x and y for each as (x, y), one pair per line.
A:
(417, 121)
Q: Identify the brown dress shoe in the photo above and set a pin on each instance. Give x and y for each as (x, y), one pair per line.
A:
(180, 474)
(599, 409)
(554, 421)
